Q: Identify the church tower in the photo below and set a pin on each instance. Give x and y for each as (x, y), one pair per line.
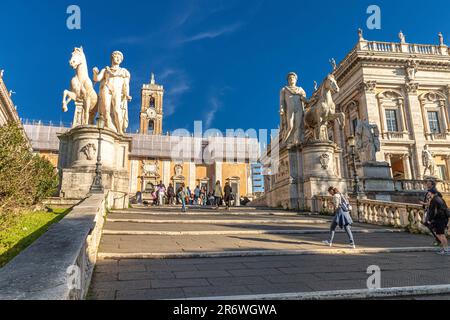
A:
(152, 108)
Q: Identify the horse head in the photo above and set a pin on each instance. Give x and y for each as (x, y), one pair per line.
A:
(78, 58)
(331, 84)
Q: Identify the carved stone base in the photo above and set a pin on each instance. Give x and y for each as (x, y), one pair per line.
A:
(377, 179)
(319, 160)
(78, 157)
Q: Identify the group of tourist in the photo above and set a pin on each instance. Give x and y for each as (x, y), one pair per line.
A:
(436, 217)
(160, 196)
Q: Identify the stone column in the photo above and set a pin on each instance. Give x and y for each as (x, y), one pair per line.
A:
(218, 173)
(407, 166)
(166, 172)
(387, 157)
(293, 179)
(192, 175)
(447, 165)
(417, 127)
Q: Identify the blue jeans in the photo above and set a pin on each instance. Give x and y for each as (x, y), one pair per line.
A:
(183, 205)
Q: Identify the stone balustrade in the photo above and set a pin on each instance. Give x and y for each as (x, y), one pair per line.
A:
(392, 214)
(411, 48)
(59, 265)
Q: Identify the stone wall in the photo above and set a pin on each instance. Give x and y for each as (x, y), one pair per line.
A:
(59, 265)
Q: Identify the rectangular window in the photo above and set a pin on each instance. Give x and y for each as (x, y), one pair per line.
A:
(391, 120)
(433, 120)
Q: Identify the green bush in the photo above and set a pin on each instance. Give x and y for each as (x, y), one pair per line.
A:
(25, 179)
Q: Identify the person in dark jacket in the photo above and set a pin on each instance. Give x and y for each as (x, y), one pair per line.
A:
(438, 219)
(228, 191)
(431, 186)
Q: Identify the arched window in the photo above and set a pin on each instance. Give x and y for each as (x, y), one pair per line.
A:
(152, 102)
(151, 127)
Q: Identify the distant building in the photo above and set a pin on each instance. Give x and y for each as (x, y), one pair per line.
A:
(8, 111)
(257, 179)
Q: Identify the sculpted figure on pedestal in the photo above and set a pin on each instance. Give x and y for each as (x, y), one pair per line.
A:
(367, 141)
(114, 93)
(428, 162)
(321, 110)
(292, 101)
(82, 89)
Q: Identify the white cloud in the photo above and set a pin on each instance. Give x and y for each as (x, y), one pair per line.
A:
(212, 34)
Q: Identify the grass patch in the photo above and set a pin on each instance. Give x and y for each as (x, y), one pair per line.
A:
(26, 229)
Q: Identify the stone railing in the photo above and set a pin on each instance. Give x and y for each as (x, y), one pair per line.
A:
(420, 185)
(398, 215)
(59, 265)
(394, 47)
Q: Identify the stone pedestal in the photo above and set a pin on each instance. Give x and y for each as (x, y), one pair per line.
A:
(377, 179)
(78, 157)
(319, 171)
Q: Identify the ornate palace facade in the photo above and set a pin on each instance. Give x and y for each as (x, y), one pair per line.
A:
(404, 89)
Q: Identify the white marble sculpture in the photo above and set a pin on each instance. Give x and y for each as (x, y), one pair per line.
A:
(428, 162)
(367, 141)
(321, 111)
(114, 93)
(82, 90)
(292, 102)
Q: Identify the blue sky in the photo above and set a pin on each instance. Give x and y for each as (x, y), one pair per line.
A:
(221, 61)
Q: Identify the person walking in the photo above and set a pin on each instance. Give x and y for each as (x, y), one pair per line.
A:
(161, 193)
(196, 195)
(170, 194)
(203, 196)
(182, 196)
(431, 185)
(228, 191)
(438, 220)
(218, 194)
(342, 217)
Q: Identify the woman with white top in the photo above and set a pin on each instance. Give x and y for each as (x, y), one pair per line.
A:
(342, 217)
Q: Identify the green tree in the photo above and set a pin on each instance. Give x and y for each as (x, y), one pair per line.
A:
(25, 179)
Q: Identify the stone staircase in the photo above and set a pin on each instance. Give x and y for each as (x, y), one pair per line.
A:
(161, 253)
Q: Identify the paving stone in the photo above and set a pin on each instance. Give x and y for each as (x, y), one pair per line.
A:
(201, 274)
(150, 294)
(122, 285)
(237, 281)
(216, 291)
(178, 283)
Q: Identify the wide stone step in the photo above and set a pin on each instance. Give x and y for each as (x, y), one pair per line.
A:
(318, 276)
(225, 245)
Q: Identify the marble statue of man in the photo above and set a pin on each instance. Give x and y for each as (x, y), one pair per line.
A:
(367, 141)
(292, 102)
(428, 161)
(114, 93)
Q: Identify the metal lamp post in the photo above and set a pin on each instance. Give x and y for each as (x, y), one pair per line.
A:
(97, 185)
(356, 182)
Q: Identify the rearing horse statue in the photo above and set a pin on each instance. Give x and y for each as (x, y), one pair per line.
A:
(322, 110)
(82, 88)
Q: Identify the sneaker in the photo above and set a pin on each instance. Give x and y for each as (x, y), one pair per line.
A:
(442, 252)
(327, 243)
(352, 246)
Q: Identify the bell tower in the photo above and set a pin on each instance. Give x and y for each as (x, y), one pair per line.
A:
(151, 108)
